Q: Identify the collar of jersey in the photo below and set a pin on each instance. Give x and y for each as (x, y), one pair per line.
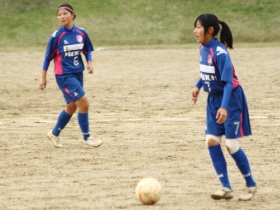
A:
(69, 30)
(209, 44)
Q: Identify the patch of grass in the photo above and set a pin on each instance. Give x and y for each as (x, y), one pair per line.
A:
(139, 22)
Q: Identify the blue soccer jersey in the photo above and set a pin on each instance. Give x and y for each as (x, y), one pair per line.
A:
(216, 67)
(216, 70)
(65, 47)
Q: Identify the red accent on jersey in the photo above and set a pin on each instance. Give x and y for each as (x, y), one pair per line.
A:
(213, 57)
(235, 82)
(58, 58)
(241, 125)
(58, 64)
(60, 37)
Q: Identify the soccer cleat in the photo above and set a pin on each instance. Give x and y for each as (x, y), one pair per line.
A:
(249, 195)
(224, 193)
(93, 142)
(54, 139)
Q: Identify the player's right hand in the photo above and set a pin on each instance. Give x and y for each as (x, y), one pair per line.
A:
(194, 94)
(221, 116)
(43, 84)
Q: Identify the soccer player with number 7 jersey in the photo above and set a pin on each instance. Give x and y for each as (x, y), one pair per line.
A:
(227, 110)
(65, 47)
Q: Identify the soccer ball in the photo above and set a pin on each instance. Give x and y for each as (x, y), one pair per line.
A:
(148, 191)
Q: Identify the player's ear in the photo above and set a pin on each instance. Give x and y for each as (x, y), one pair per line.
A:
(73, 16)
(211, 30)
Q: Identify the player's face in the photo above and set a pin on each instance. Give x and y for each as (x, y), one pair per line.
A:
(200, 35)
(65, 18)
(199, 32)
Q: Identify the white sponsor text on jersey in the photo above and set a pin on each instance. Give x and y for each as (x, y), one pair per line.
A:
(207, 69)
(208, 77)
(73, 47)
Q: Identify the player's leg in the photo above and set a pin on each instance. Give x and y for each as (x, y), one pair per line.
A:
(72, 88)
(83, 108)
(218, 159)
(238, 126)
(214, 134)
(83, 119)
(241, 161)
(243, 164)
(63, 119)
(219, 163)
(66, 83)
(82, 103)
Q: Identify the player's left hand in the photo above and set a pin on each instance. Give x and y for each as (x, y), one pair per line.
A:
(221, 116)
(90, 69)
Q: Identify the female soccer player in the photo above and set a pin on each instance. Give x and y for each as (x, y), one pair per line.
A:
(65, 46)
(227, 111)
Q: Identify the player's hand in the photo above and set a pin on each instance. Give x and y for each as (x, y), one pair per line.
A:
(90, 68)
(194, 94)
(43, 84)
(221, 116)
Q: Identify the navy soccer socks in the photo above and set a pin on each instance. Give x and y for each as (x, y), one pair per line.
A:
(84, 124)
(220, 165)
(62, 121)
(242, 163)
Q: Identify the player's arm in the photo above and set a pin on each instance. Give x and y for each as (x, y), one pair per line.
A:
(222, 112)
(89, 62)
(88, 48)
(43, 82)
(195, 91)
(225, 68)
(50, 53)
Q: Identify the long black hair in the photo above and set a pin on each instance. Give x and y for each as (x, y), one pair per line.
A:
(67, 7)
(210, 20)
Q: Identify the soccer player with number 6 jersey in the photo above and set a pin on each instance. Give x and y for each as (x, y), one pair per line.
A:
(65, 47)
(227, 110)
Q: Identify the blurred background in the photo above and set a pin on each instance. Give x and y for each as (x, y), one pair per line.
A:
(166, 23)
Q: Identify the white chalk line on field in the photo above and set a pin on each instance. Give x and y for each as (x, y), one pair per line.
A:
(143, 119)
(4, 122)
(129, 120)
(158, 119)
(135, 120)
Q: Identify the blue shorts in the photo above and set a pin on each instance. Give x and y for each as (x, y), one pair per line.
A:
(237, 124)
(71, 86)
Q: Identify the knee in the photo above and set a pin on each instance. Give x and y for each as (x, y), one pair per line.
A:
(212, 140)
(83, 104)
(70, 108)
(232, 145)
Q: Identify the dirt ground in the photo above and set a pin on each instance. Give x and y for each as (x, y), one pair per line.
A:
(141, 109)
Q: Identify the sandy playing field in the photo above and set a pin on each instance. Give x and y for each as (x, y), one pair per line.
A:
(141, 109)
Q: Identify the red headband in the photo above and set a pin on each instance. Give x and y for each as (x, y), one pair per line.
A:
(67, 8)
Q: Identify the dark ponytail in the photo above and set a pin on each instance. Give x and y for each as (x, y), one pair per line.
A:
(226, 36)
(210, 20)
